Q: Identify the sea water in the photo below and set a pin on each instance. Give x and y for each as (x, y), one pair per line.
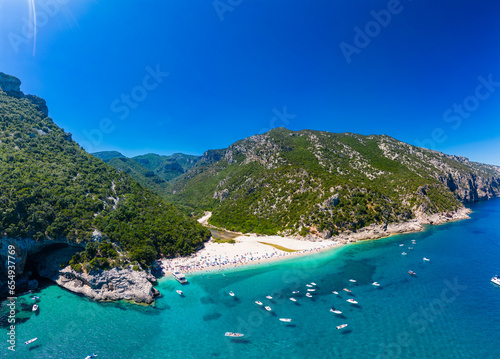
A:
(448, 310)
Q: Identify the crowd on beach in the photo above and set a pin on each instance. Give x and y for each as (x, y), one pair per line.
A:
(216, 258)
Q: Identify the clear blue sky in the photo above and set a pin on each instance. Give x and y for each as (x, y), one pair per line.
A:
(429, 75)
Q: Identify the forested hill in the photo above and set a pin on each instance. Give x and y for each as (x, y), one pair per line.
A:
(50, 188)
(320, 182)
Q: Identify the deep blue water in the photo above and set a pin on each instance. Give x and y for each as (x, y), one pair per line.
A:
(449, 310)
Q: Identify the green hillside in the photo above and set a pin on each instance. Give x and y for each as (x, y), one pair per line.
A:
(320, 182)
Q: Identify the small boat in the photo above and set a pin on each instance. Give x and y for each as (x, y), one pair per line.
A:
(35, 298)
(233, 335)
(30, 341)
(308, 285)
(268, 308)
(352, 280)
(413, 241)
(309, 295)
(341, 326)
(410, 247)
(496, 280)
(426, 259)
(295, 292)
(180, 292)
(410, 272)
(258, 302)
(311, 290)
(231, 294)
(313, 283)
(269, 297)
(347, 290)
(293, 299)
(352, 301)
(402, 244)
(333, 310)
(35, 307)
(404, 253)
(286, 320)
(335, 292)
(91, 356)
(376, 284)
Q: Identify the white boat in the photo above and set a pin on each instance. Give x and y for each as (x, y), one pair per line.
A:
(233, 335)
(402, 244)
(30, 341)
(335, 292)
(352, 280)
(341, 326)
(269, 297)
(404, 253)
(180, 292)
(410, 247)
(311, 290)
(308, 295)
(295, 292)
(258, 302)
(333, 310)
(308, 285)
(413, 241)
(426, 259)
(286, 320)
(313, 283)
(293, 299)
(91, 356)
(35, 307)
(352, 301)
(376, 284)
(231, 294)
(410, 272)
(496, 280)
(35, 298)
(180, 277)
(346, 290)
(268, 308)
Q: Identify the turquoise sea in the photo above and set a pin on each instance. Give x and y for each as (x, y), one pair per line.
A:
(449, 310)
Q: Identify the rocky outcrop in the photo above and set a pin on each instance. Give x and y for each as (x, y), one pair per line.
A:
(110, 285)
(12, 86)
(39, 103)
(470, 187)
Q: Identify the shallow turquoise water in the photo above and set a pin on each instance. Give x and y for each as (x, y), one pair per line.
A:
(450, 310)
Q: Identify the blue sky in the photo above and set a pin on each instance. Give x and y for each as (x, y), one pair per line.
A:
(187, 76)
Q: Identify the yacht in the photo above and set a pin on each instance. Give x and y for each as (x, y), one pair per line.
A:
(496, 280)
(180, 277)
(352, 301)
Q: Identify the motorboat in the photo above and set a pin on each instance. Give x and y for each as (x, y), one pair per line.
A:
(410, 272)
(335, 292)
(410, 247)
(30, 341)
(91, 356)
(352, 301)
(333, 310)
(311, 290)
(258, 302)
(309, 285)
(269, 297)
(286, 320)
(295, 292)
(268, 308)
(35, 298)
(341, 326)
(347, 290)
(376, 284)
(402, 244)
(404, 253)
(293, 299)
(180, 292)
(313, 283)
(233, 335)
(496, 280)
(352, 280)
(426, 259)
(35, 307)
(308, 295)
(231, 294)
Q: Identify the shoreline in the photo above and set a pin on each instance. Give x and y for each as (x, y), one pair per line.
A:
(248, 251)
